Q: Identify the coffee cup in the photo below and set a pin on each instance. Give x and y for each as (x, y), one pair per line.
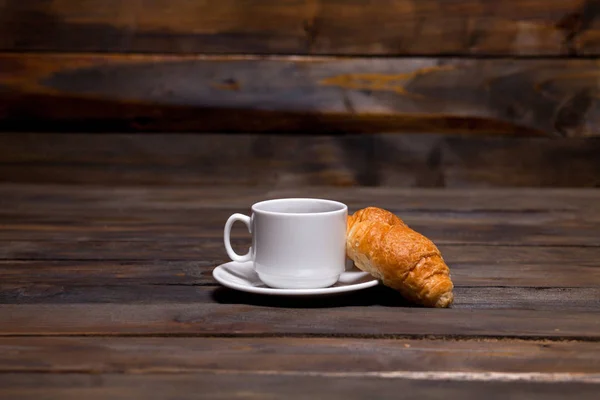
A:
(297, 243)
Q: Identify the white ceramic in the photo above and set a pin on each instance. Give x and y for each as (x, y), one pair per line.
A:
(297, 243)
(242, 276)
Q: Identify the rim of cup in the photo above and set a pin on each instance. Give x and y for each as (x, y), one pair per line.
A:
(338, 207)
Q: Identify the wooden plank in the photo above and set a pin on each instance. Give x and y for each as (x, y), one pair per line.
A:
(57, 199)
(208, 222)
(558, 299)
(290, 94)
(526, 267)
(106, 273)
(212, 250)
(400, 27)
(293, 386)
(408, 160)
(245, 318)
(186, 355)
(482, 201)
(209, 246)
(60, 218)
(496, 164)
(174, 159)
(209, 250)
(441, 231)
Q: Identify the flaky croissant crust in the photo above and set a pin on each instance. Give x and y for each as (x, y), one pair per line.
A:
(382, 244)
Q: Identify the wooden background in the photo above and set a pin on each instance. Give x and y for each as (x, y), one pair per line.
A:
(131, 129)
(427, 93)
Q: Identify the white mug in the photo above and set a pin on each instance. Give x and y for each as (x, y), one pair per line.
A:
(297, 243)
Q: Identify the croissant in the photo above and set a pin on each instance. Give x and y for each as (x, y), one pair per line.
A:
(382, 244)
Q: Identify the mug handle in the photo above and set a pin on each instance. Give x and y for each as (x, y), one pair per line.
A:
(232, 254)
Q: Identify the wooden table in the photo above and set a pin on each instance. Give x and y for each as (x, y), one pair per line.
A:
(107, 293)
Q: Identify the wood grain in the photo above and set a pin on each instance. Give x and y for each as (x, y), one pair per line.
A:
(113, 92)
(293, 386)
(53, 222)
(106, 273)
(68, 228)
(445, 232)
(154, 297)
(400, 27)
(237, 315)
(60, 200)
(212, 251)
(495, 266)
(541, 298)
(106, 292)
(212, 217)
(316, 355)
(286, 161)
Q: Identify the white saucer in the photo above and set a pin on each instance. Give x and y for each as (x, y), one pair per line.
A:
(241, 276)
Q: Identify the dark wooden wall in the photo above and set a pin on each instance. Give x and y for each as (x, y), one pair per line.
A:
(403, 160)
(343, 92)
